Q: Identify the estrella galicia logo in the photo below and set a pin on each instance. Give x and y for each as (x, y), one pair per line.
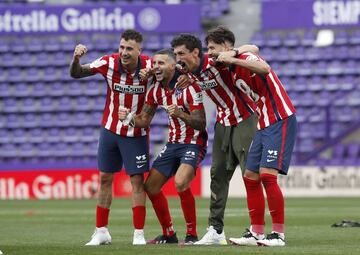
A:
(149, 19)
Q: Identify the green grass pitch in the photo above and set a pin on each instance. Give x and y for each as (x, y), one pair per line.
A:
(62, 227)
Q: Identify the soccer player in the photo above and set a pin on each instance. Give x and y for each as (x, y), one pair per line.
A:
(234, 129)
(184, 150)
(120, 145)
(271, 150)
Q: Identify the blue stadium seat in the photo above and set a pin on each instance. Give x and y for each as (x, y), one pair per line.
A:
(17, 46)
(316, 83)
(90, 88)
(4, 46)
(19, 135)
(304, 68)
(35, 45)
(33, 74)
(15, 75)
(88, 134)
(5, 135)
(10, 105)
(48, 120)
(9, 60)
(83, 103)
(52, 44)
(37, 135)
(30, 120)
(65, 104)
(99, 103)
(64, 119)
(355, 37)
(297, 54)
(9, 150)
(341, 37)
(291, 39)
(29, 104)
(81, 119)
(56, 89)
(51, 74)
(53, 135)
(258, 39)
(308, 38)
(70, 135)
(73, 88)
(273, 40)
(39, 89)
(5, 90)
(47, 104)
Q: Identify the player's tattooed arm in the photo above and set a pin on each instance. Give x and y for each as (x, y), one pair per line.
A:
(76, 69)
(143, 119)
(196, 119)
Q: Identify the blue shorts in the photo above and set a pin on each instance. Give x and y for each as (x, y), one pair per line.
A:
(114, 151)
(272, 146)
(174, 154)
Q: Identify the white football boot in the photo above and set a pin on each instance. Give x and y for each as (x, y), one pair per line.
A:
(212, 237)
(101, 236)
(139, 238)
(273, 239)
(249, 238)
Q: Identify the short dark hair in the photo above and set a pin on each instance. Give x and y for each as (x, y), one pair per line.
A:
(131, 34)
(167, 52)
(220, 35)
(190, 41)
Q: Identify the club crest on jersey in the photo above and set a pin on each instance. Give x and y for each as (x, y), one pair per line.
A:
(129, 89)
(178, 93)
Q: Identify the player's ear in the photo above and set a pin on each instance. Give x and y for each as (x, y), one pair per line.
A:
(196, 52)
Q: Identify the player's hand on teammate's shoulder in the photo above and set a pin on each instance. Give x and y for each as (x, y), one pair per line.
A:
(225, 57)
(183, 81)
(123, 113)
(80, 51)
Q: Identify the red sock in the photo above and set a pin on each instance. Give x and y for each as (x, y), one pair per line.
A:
(256, 204)
(189, 210)
(161, 208)
(102, 216)
(139, 213)
(275, 201)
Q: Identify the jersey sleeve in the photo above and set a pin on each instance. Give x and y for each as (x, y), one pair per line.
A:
(195, 97)
(150, 97)
(100, 65)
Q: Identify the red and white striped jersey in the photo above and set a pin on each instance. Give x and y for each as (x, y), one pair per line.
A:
(233, 106)
(267, 91)
(124, 90)
(187, 100)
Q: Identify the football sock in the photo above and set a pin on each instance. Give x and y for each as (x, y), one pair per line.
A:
(102, 216)
(256, 204)
(189, 211)
(275, 201)
(139, 213)
(162, 212)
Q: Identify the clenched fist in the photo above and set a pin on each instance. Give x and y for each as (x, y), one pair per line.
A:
(123, 113)
(173, 110)
(79, 51)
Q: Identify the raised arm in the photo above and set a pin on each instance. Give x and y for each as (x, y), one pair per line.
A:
(76, 69)
(196, 119)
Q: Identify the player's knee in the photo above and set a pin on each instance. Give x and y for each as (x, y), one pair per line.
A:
(181, 185)
(106, 179)
(251, 175)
